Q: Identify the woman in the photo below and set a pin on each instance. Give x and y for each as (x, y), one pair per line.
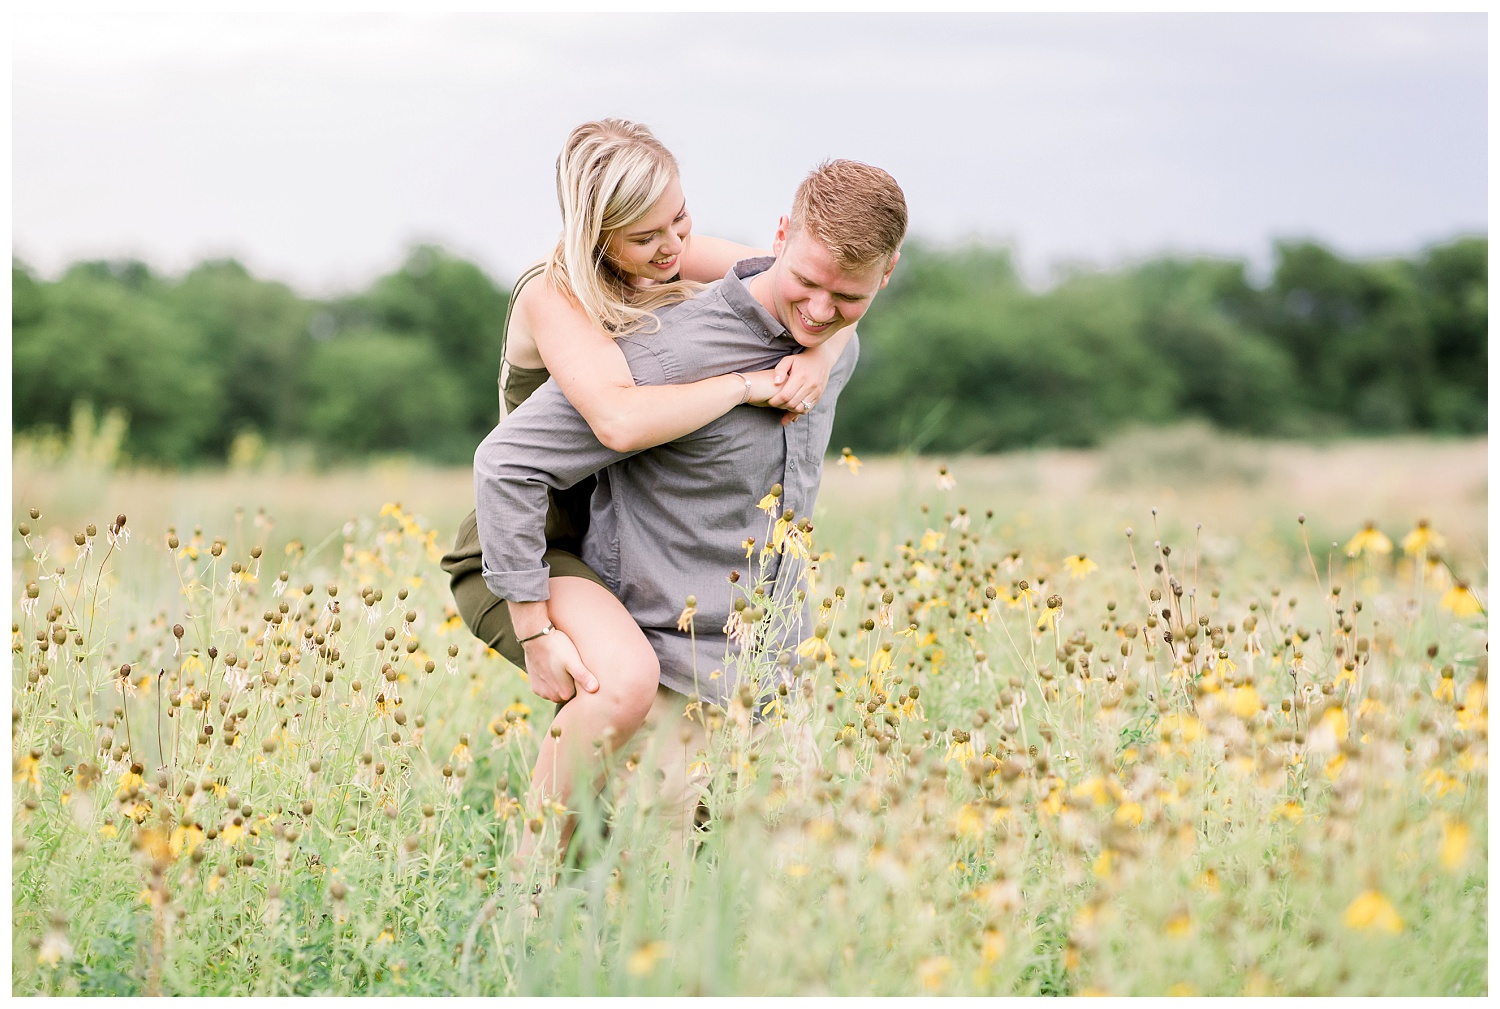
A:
(626, 250)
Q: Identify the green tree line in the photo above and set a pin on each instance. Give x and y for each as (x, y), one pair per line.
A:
(958, 354)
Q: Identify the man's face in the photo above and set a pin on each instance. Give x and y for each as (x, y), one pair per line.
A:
(811, 294)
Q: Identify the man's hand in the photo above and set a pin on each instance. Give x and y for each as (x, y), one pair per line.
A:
(554, 668)
(552, 663)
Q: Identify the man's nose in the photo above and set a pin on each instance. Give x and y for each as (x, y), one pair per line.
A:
(821, 307)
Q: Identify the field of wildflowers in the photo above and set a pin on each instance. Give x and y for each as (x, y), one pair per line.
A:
(1065, 743)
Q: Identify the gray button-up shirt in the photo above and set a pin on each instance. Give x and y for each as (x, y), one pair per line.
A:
(669, 522)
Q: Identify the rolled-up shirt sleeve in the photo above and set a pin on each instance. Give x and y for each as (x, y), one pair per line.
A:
(545, 444)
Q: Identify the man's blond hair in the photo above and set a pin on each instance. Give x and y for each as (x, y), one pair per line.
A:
(856, 210)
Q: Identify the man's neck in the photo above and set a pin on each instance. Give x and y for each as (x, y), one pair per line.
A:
(760, 289)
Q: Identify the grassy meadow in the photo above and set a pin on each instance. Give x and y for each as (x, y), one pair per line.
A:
(1182, 715)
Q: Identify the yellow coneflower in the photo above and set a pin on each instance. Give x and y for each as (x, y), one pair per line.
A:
(1180, 924)
(1445, 685)
(184, 839)
(1245, 701)
(1439, 782)
(1093, 788)
(1373, 911)
(933, 970)
(1475, 712)
(961, 749)
(26, 768)
(130, 779)
(1020, 595)
(1422, 539)
(645, 958)
(768, 504)
(850, 461)
(1289, 811)
(1079, 566)
(685, 618)
(1455, 847)
(968, 822)
(945, 479)
(817, 647)
(1369, 538)
(1461, 601)
(461, 753)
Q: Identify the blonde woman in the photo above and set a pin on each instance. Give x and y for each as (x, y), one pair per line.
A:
(626, 249)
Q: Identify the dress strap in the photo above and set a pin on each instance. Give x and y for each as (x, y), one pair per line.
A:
(515, 292)
(510, 306)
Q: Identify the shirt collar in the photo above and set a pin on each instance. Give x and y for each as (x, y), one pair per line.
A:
(737, 295)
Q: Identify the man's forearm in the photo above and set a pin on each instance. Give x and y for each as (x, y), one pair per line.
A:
(544, 445)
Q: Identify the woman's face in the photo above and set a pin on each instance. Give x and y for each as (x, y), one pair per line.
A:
(650, 248)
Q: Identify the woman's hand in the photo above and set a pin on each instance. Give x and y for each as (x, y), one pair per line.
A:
(764, 386)
(801, 380)
(554, 668)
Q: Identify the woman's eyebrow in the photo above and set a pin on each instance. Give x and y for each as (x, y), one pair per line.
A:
(651, 231)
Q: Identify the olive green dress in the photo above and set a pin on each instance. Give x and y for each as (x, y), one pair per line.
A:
(567, 520)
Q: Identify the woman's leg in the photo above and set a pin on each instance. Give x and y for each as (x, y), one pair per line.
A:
(613, 648)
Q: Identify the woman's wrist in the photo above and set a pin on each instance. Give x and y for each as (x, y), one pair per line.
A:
(745, 398)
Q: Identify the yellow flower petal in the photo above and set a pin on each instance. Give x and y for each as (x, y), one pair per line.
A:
(1373, 911)
(1369, 538)
(1079, 566)
(1461, 601)
(1455, 849)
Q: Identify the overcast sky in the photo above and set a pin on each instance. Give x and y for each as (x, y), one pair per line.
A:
(317, 148)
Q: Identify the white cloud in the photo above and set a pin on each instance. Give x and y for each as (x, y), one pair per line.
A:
(317, 146)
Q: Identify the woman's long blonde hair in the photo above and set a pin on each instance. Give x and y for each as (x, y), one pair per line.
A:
(609, 175)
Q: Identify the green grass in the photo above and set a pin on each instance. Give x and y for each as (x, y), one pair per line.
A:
(1135, 823)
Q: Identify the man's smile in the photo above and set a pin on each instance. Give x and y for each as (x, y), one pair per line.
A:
(814, 327)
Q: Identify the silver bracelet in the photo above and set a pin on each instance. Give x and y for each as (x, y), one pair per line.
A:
(747, 386)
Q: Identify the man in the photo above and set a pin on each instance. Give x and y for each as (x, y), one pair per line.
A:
(671, 522)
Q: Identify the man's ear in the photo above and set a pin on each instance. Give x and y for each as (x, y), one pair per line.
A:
(895, 257)
(783, 227)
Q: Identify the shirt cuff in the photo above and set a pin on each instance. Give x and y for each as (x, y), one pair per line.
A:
(528, 586)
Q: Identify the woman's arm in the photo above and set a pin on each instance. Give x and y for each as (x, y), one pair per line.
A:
(799, 377)
(593, 374)
(707, 259)
(803, 378)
